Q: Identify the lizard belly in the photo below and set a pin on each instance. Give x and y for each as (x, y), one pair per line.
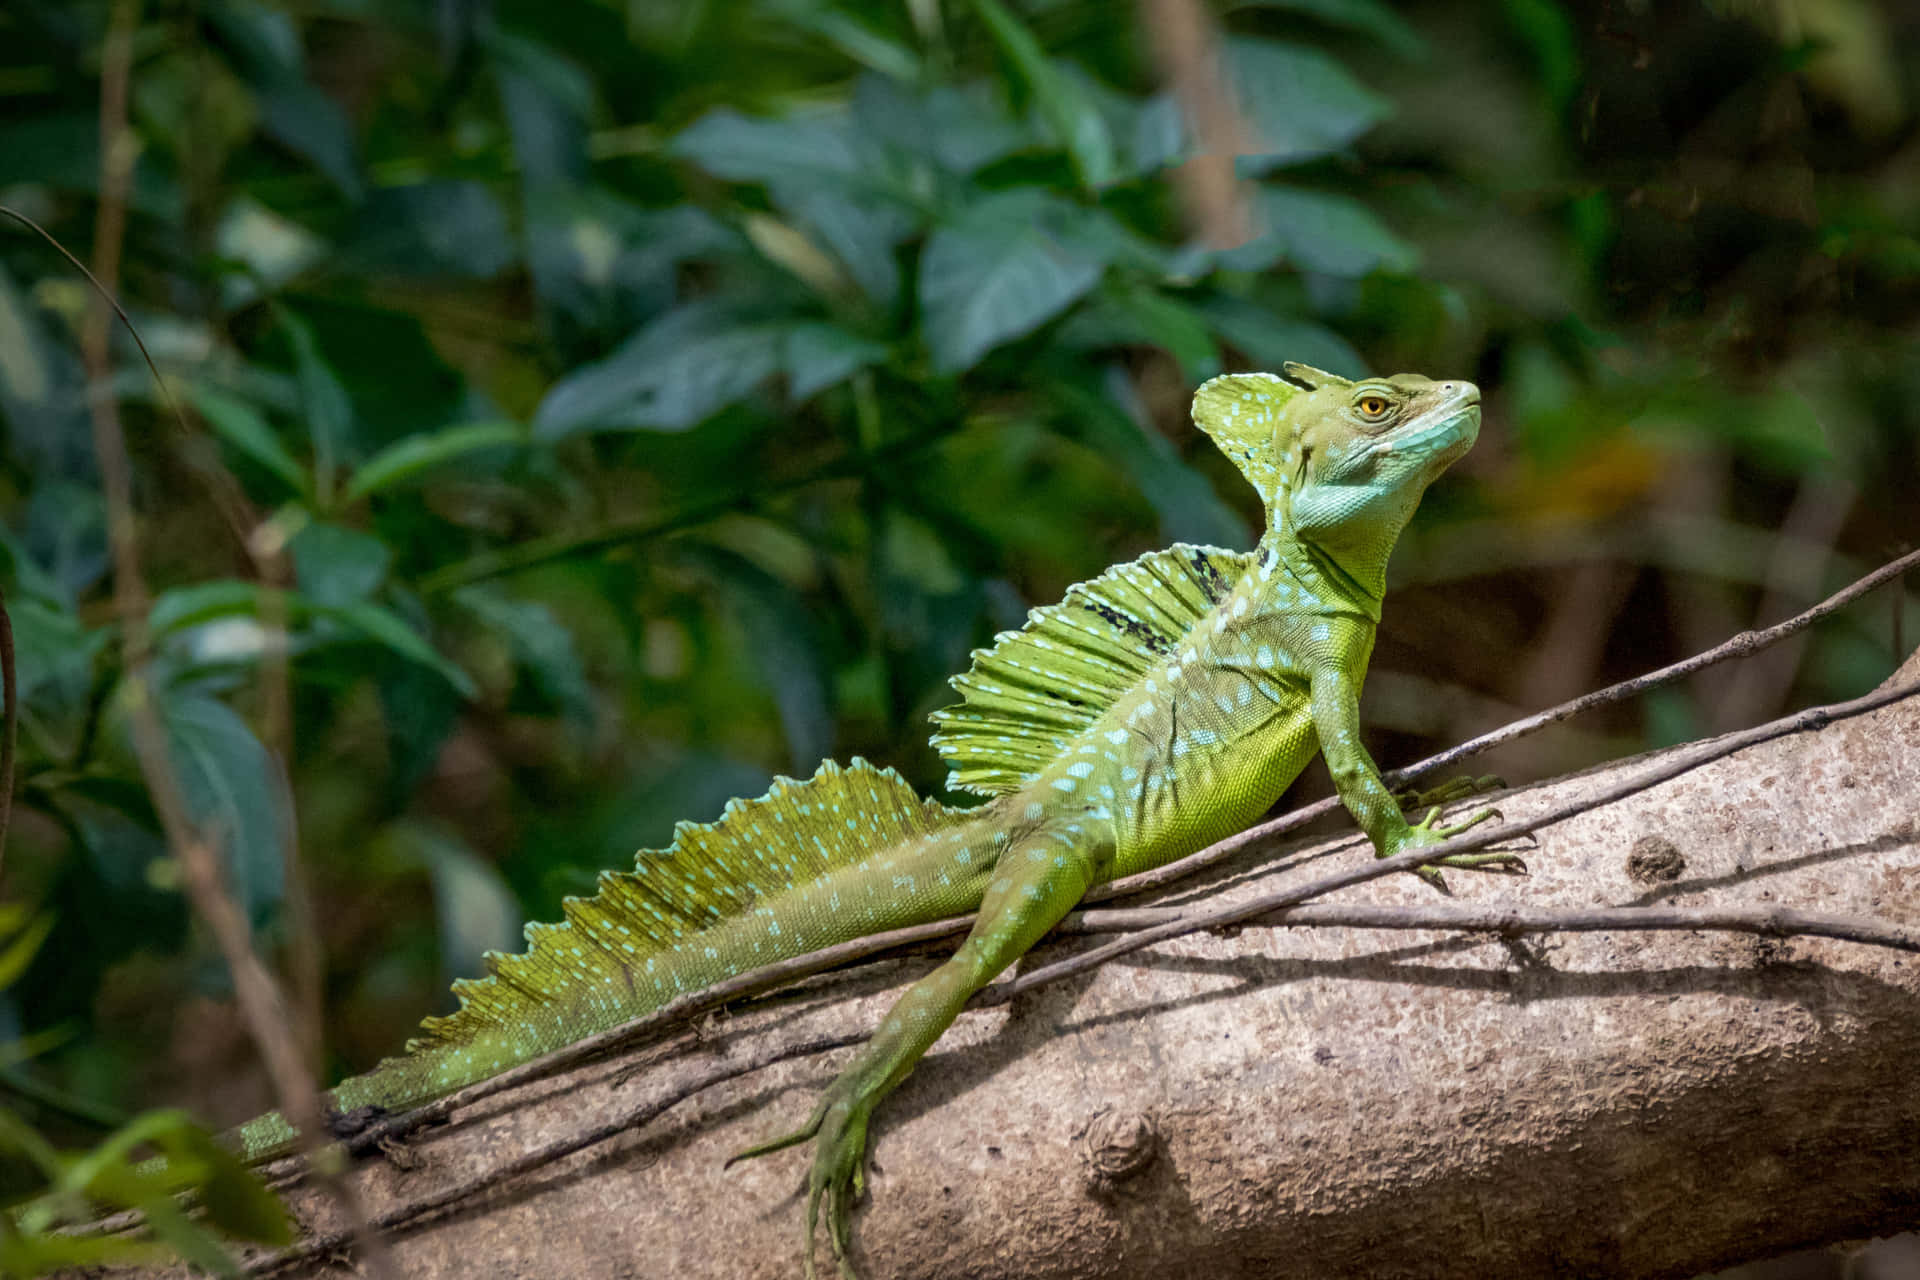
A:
(1187, 799)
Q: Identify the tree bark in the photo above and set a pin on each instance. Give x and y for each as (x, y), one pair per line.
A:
(1318, 1103)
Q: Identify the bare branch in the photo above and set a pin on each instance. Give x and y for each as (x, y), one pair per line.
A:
(770, 977)
(1277, 910)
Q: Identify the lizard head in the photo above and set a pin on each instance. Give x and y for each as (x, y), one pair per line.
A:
(1340, 463)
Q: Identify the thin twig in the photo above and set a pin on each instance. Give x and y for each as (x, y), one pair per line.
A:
(540, 1157)
(1280, 909)
(1740, 646)
(1513, 921)
(254, 988)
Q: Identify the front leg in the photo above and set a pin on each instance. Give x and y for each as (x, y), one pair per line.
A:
(1336, 720)
(1036, 882)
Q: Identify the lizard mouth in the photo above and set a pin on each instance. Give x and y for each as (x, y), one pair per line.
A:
(1449, 430)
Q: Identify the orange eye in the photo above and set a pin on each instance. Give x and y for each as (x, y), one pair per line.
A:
(1372, 406)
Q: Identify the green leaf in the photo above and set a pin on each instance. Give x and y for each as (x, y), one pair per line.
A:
(1316, 231)
(862, 234)
(336, 565)
(1114, 423)
(441, 228)
(996, 273)
(1269, 339)
(477, 913)
(389, 629)
(743, 148)
(1299, 103)
(405, 459)
(265, 49)
(323, 398)
(1070, 112)
(52, 646)
(548, 101)
(820, 355)
(246, 429)
(1368, 17)
(854, 39)
(179, 607)
(539, 643)
(234, 791)
(783, 638)
(1136, 314)
(18, 951)
(691, 362)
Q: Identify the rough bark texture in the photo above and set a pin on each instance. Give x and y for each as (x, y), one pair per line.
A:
(1327, 1103)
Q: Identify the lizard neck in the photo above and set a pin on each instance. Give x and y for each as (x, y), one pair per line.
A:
(1295, 576)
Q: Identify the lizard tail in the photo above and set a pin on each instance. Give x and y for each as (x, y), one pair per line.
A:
(788, 873)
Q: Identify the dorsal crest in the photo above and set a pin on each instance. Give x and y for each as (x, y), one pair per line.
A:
(1025, 698)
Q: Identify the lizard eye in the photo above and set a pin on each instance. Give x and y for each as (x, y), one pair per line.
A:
(1373, 406)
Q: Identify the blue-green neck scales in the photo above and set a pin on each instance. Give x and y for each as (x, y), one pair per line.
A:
(1157, 708)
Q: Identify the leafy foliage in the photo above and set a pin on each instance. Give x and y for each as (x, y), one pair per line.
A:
(611, 405)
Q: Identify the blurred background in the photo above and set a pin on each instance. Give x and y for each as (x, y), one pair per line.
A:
(597, 407)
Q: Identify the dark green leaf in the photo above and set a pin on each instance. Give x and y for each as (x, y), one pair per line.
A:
(1269, 340)
(1316, 231)
(996, 273)
(180, 607)
(51, 646)
(604, 265)
(855, 39)
(440, 228)
(1137, 314)
(539, 643)
(407, 459)
(323, 399)
(234, 791)
(820, 355)
(246, 429)
(477, 913)
(783, 639)
(862, 234)
(1114, 422)
(1299, 103)
(1073, 116)
(744, 148)
(336, 565)
(548, 101)
(389, 629)
(265, 49)
(694, 360)
(1369, 17)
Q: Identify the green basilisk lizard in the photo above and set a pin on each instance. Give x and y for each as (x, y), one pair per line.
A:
(1157, 708)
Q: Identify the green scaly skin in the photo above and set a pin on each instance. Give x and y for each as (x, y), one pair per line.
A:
(1158, 708)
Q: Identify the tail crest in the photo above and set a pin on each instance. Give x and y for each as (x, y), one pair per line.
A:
(623, 950)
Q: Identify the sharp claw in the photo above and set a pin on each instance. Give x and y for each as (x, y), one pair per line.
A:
(813, 1220)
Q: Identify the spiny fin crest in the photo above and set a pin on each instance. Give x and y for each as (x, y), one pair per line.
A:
(1025, 698)
(616, 950)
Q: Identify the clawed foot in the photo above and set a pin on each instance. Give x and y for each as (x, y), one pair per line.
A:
(1426, 833)
(838, 1176)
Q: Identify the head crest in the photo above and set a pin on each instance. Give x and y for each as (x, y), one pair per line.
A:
(1243, 413)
